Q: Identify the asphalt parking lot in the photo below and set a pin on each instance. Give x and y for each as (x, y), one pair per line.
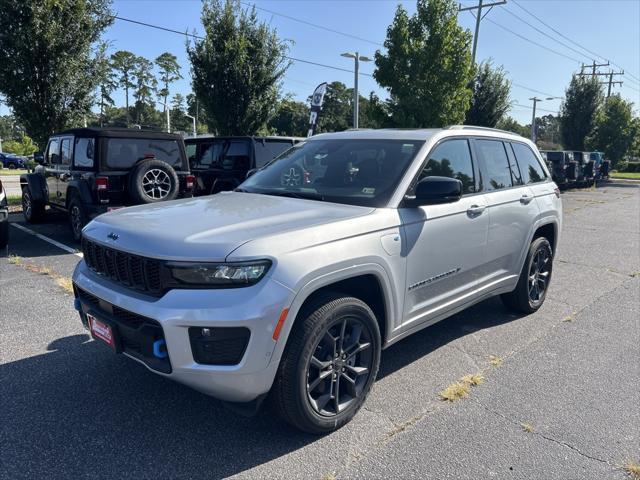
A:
(560, 397)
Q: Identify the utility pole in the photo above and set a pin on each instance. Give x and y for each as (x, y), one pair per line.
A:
(479, 17)
(610, 82)
(593, 66)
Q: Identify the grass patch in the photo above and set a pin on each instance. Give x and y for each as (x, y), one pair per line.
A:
(568, 318)
(15, 260)
(329, 476)
(627, 175)
(633, 469)
(473, 379)
(7, 171)
(527, 427)
(495, 360)
(14, 200)
(454, 392)
(65, 283)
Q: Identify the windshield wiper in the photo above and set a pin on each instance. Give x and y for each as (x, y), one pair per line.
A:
(287, 193)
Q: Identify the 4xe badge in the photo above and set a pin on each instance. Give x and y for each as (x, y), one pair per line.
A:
(113, 236)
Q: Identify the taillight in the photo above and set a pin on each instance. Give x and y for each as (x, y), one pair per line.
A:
(190, 181)
(102, 183)
(557, 192)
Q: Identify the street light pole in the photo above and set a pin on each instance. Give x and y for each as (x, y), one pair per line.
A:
(195, 133)
(356, 97)
(533, 115)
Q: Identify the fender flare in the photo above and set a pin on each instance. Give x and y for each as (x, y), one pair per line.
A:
(37, 186)
(83, 190)
(304, 293)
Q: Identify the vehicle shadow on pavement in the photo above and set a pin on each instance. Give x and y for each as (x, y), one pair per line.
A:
(79, 410)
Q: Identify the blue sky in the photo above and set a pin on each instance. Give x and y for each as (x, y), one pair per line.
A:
(607, 27)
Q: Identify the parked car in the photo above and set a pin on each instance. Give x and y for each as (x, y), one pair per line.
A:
(601, 166)
(222, 163)
(563, 169)
(292, 284)
(4, 217)
(89, 171)
(12, 161)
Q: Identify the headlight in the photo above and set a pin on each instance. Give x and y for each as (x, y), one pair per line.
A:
(219, 274)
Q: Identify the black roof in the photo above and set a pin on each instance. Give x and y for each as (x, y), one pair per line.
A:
(257, 138)
(113, 132)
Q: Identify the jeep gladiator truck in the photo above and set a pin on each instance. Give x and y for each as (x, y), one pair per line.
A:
(89, 171)
(291, 285)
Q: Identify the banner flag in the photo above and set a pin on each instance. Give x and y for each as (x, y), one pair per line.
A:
(316, 106)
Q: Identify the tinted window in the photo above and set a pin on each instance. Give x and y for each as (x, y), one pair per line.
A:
(224, 154)
(123, 153)
(451, 159)
(496, 164)
(554, 156)
(84, 152)
(355, 172)
(53, 154)
(530, 167)
(267, 151)
(191, 151)
(65, 151)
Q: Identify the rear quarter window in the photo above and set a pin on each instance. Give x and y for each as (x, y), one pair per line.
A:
(124, 153)
(530, 168)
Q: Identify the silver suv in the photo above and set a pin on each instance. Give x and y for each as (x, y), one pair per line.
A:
(291, 285)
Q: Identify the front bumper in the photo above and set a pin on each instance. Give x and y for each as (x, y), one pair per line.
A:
(256, 308)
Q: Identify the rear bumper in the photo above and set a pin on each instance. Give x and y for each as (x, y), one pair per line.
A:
(256, 308)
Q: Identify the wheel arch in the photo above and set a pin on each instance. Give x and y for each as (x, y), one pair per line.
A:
(36, 184)
(80, 188)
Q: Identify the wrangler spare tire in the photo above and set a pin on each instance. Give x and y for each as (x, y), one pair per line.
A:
(153, 181)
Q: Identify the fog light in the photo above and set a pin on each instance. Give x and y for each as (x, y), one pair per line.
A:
(218, 346)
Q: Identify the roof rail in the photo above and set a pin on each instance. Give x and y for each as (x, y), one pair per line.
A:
(472, 127)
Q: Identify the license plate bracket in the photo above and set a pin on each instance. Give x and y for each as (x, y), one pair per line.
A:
(104, 331)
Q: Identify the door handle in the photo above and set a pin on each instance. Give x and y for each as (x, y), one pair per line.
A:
(526, 199)
(65, 176)
(476, 209)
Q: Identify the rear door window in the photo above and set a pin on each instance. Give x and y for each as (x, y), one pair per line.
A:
(124, 153)
(532, 171)
(65, 151)
(452, 159)
(84, 152)
(267, 150)
(497, 173)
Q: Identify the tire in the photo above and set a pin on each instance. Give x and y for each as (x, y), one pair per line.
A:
(310, 354)
(77, 217)
(535, 278)
(4, 234)
(12, 166)
(32, 211)
(153, 181)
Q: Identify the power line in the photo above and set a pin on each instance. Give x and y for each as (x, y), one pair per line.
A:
(305, 22)
(533, 90)
(193, 35)
(517, 4)
(545, 34)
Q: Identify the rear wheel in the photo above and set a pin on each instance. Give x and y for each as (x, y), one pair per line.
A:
(77, 217)
(32, 210)
(329, 365)
(535, 277)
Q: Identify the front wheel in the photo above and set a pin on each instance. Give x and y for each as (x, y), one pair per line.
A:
(32, 210)
(329, 365)
(535, 277)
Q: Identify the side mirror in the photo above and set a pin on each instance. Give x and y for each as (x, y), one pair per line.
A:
(251, 172)
(39, 158)
(435, 190)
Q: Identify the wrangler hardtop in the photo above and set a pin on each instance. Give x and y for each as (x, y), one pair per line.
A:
(89, 171)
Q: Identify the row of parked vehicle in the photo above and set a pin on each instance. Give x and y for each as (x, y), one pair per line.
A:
(576, 169)
(89, 171)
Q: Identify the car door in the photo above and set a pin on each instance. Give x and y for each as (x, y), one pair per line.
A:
(444, 244)
(511, 208)
(64, 172)
(52, 164)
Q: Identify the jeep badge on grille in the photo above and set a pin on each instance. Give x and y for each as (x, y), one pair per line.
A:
(113, 236)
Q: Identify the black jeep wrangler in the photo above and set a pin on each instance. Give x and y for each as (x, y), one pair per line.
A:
(222, 163)
(89, 171)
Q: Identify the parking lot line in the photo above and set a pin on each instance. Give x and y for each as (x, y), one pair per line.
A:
(49, 240)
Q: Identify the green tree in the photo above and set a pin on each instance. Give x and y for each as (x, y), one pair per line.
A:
(10, 129)
(47, 71)
(291, 119)
(22, 146)
(124, 63)
(614, 130)
(490, 101)
(179, 121)
(194, 108)
(145, 89)
(511, 125)
(634, 150)
(169, 73)
(237, 69)
(583, 97)
(336, 114)
(427, 67)
(107, 81)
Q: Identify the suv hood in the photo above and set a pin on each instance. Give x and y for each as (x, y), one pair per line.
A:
(210, 228)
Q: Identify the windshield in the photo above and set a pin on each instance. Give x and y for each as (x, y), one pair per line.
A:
(123, 153)
(356, 172)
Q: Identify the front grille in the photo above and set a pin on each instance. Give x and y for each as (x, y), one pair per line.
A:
(140, 273)
(136, 333)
